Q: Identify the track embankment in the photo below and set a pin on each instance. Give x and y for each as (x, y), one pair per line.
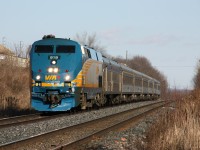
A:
(84, 127)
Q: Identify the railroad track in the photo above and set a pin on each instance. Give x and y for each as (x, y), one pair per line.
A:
(74, 136)
(17, 120)
(27, 119)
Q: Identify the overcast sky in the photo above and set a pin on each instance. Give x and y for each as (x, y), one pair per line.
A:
(167, 32)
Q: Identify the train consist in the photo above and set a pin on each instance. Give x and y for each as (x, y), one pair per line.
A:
(67, 75)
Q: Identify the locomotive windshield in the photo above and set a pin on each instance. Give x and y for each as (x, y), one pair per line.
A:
(65, 49)
(44, 49)
(59, 49)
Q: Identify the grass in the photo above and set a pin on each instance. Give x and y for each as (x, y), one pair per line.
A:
(178, 129)
(14, 89)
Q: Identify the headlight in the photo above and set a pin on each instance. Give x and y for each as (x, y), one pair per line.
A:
(67, 77)
(53, 62)
(38, 77)
(50, 70)
(55, 70)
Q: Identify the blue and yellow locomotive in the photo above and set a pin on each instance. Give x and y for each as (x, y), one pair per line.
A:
(59, 70)
(66, 75)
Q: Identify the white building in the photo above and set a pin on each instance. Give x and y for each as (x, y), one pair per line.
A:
(6, 54)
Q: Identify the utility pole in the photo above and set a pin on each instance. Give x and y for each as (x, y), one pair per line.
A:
(4, 41)
(20, 46)
(126, 57)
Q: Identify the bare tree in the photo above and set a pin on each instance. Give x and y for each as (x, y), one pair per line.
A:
(28, 50)
(21, 50)
(196, 79)
(91, 41)
(18, 50)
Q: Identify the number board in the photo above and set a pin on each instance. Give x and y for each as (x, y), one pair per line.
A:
(54, 57)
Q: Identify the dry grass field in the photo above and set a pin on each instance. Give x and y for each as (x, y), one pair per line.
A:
(14, 89)
(178, 128)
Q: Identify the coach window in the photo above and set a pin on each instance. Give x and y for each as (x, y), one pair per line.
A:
(89, 54)
(97, 57)
(138, 81)
(93, 54)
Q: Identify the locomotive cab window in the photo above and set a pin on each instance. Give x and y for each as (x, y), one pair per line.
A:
(65, 49)
(88, 52)
(44, 49)
(85, 52)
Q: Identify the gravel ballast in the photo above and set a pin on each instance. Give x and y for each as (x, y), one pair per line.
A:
(21, 132)
(133, 138)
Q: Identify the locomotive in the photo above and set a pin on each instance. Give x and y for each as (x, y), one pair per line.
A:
(67, 75)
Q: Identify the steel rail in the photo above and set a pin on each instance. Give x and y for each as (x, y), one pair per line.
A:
(16, 119)
(79, 144)
(61, 131)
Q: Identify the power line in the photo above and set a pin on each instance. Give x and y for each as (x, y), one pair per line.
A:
(175, 66)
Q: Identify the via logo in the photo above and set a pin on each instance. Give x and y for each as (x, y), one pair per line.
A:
(50, 77)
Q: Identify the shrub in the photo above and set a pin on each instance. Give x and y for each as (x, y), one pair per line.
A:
(14, 82)
(180, 128)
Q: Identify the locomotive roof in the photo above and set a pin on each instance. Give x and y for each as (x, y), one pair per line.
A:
(54, 39)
